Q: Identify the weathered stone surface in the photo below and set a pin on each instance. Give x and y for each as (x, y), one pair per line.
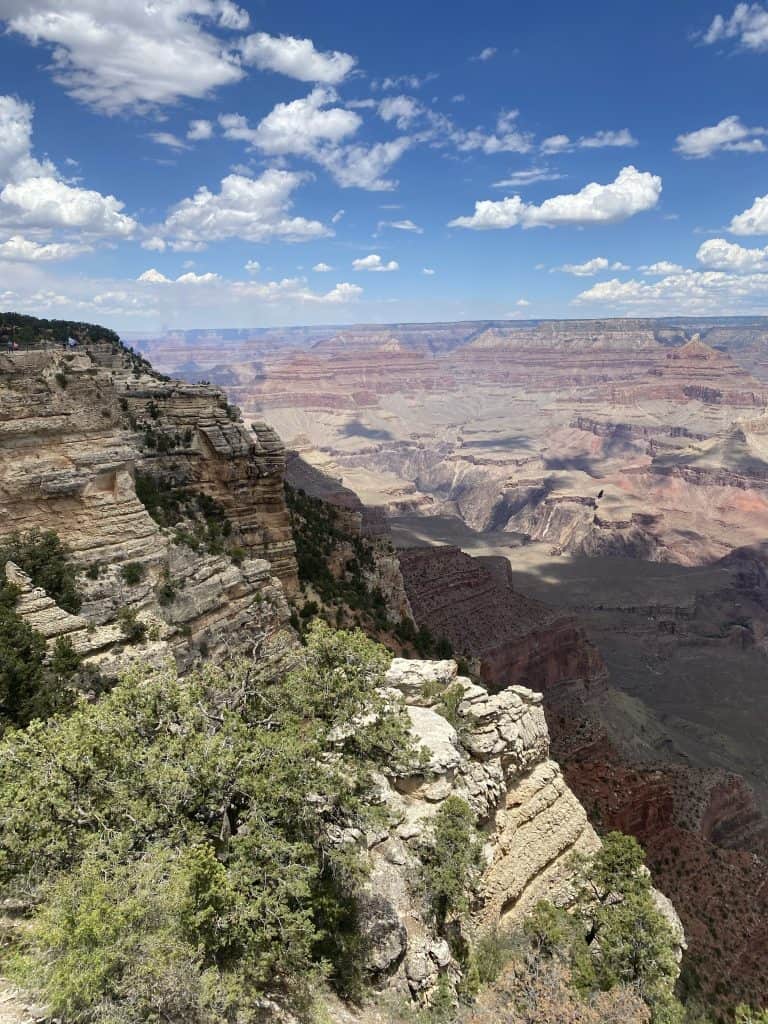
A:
(420, 681)
(75, 430)
(498, 761)
(438, 737)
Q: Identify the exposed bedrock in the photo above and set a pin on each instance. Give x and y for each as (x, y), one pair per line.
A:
(499, 762)
(76, 429)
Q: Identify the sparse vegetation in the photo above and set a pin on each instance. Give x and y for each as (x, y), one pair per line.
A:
(199, 521)
(133, 629)
(338, 564)
(133, 573)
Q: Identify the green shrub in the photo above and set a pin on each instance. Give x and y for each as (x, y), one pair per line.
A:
(179, 837)
(46, 560)
(65, 661)
(452, 860)
(167, 590)
(29, 687)
(614, 936)
(134, 630)
(133, 573)
(493, 950)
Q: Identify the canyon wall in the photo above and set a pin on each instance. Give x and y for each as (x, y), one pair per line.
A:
(76, 430)
(705, 838)
(497, 758)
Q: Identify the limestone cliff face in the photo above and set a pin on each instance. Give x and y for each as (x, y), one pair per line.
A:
(497, 759)
(75, 429)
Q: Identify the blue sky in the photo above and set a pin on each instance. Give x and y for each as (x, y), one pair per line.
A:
(210, 163)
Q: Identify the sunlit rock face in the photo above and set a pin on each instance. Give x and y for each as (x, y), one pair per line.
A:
(75, 431)
(496, 758)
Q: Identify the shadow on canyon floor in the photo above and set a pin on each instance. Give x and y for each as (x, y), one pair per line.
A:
(689, 643)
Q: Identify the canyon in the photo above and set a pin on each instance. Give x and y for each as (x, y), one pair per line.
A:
(580, 507)
(133, 470)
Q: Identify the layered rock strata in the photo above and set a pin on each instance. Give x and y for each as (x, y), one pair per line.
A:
(497, 759)
(76, 429)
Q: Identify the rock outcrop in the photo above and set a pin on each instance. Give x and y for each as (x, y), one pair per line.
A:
(495, 757)
(77, 428)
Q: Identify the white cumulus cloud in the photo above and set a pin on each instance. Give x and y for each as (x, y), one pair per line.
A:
(153, 276)
(587, 269)
(506, 139)
(117, 55)
(168, 139)
(366, 167)
(322, 268)
(690, 291)
(199, 130)
(400, 109)
(16, 159)
(374, 262)
(556, 144)
(32, 196)
(748, 25)
(24, 250)
(299, 127)
(295, 289)
(729, 135)
(254, 209)
(622, 138)
(191, 278)
(630, 193)
(296, 58)
(754, 220)
(47, 203)
(724, 255)
(662, 268)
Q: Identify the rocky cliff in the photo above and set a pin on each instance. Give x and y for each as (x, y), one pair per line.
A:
(207, 536)
(496, 757)
(706, 839)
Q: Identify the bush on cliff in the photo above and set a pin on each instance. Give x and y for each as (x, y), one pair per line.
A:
(615, 935)
(31, 686)
(184, 841)
(452, 860)
(47, 561)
